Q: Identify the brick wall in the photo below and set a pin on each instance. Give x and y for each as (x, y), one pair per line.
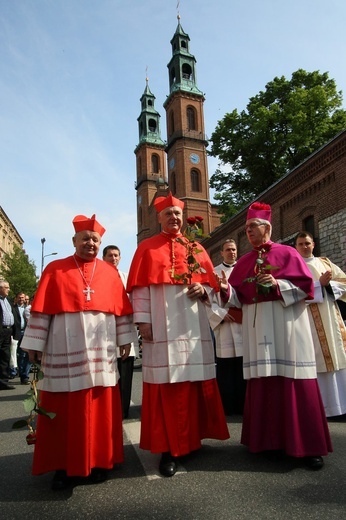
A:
(310, 197)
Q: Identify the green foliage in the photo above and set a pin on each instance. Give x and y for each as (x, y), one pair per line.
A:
(32, 405)
(19, 271)
(189, 240)
(280, 127)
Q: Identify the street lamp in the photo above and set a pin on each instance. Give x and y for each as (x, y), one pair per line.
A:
(43, 255)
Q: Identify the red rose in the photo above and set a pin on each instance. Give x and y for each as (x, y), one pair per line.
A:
(198, 218)
(191, 220)
(31, 438)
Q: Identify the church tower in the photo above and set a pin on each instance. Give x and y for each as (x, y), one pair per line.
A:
(150, 164)
(186, 140)
(184, 152)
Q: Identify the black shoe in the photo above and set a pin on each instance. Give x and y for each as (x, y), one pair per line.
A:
(60, 480)
(167, 465)
(25, 382)
(98, 475)
(5, 386)
(314, 462)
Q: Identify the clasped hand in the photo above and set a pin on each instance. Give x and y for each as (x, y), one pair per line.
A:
(264, 278)
(195, 290)
(325, 278)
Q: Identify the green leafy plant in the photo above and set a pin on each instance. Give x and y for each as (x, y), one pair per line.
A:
(32, 407)
(189, 240)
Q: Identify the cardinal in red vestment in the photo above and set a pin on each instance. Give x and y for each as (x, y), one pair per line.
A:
(181, 402)
(81, 319)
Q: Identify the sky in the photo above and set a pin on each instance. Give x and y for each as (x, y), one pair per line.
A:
(71, 76)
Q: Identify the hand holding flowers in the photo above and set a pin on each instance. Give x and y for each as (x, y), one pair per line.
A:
(189, 240)
(32, 407)
(263, 279)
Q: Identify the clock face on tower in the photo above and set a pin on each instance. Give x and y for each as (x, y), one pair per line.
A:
(194, 158)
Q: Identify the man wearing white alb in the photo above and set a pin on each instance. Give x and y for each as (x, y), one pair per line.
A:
(227, 327)
(327, 325)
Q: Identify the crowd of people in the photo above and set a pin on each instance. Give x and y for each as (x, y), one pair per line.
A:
(260, 335)
(14, 315)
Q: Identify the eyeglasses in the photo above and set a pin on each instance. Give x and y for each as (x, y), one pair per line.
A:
(253, 225)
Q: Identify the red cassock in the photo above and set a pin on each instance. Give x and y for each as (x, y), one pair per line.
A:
(87, 429)
(175, 416)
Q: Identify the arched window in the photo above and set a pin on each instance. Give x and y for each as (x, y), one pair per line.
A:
(171, 123)
(155, 163)
(173, 184)
(152, 125)
(187, 71)
(195, 180)
(191, 118)
(309, 226)
(173, 76)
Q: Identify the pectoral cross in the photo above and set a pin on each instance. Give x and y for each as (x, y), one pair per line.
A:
(87, 292)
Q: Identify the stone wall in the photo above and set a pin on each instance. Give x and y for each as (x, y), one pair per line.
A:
(332, 233)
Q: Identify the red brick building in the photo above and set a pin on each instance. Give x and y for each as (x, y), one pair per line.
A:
(311, 197)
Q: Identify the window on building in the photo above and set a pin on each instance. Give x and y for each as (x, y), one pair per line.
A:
(173, 184)
(195, 180)
(191, 118)
(309, 226)
(173, 76)
(155, 163)
(187, 71)
(171, 123)
(152, 125)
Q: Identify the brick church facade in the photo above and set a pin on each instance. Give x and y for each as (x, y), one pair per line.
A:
(180, 164)
(311, 197)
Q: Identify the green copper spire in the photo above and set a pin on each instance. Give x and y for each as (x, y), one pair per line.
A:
(149, 119)
(182, 67)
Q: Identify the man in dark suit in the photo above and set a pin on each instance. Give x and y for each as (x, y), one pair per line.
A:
(7, 329)
(24, 364)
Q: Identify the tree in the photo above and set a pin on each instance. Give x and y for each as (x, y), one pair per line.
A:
(280, 127)
(19, 271)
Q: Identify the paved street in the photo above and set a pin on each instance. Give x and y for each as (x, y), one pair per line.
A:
(221, 481)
